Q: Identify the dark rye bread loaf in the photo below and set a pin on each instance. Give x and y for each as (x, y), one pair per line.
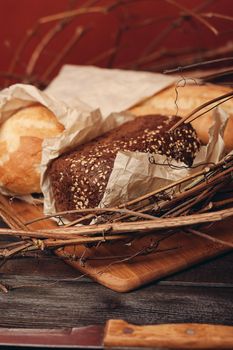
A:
(79, 178)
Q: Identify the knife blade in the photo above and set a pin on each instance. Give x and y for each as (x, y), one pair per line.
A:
(88, 337)
(119, 334)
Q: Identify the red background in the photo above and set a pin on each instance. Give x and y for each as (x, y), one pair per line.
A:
(18, 16)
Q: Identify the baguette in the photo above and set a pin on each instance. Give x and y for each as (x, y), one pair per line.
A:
(21, 138)
(183, 101)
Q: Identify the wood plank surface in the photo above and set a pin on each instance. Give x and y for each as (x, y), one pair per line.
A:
(47, 303)
(47, 293)
(181, 251)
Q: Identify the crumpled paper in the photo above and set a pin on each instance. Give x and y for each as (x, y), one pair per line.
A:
(116, 90)
(135, 174)
(74, 96)
(111, 90)
(79, 120)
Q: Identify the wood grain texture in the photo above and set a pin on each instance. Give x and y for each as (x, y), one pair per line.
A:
(119, 333)
(124, 275)
(36, 302)
(47, 293)
(217, 271)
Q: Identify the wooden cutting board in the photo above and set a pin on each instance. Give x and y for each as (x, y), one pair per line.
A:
(178, 251)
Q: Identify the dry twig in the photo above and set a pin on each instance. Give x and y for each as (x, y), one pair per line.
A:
(73, 13)
(221, 99)
(195, 15)
(209, 238)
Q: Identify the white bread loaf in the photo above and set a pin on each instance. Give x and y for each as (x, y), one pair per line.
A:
(190, 97)
(21, 138)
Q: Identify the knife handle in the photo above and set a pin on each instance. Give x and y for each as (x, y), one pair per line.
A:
(174, 336)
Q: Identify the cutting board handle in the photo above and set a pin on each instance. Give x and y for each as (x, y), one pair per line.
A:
(174, 336)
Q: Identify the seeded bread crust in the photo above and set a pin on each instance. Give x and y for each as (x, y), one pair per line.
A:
(79, 178)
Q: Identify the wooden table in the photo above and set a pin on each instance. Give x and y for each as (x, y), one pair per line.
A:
(47, 293)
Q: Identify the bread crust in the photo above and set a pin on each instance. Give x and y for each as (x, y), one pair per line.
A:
(21, 138)
(79, 178)
(183, 100)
